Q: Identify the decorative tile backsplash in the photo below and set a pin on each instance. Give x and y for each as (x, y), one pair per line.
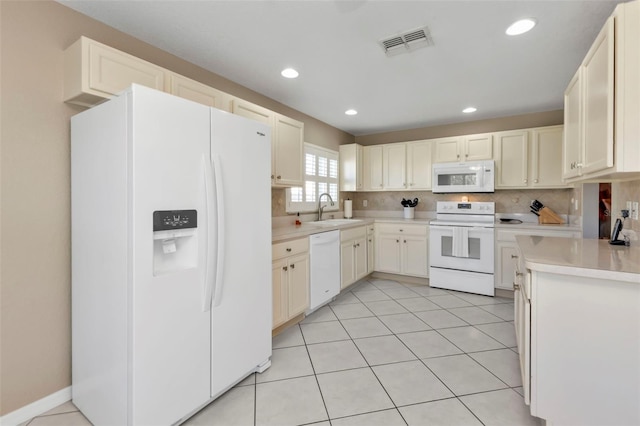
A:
(507, 201)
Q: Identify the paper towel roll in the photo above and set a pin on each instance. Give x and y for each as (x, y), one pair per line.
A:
(348, 209)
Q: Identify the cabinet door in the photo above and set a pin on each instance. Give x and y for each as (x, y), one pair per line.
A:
(419, 165)
(414, 256)
(252, 111)
(507, 254)
(279, 274)
(546, 157)
(288, 150)
(572, 140)
(347, 261)
(478, 147)
(598, 100)
(372, 159)
(447, 150)
(112, 71)
(360, 256)
(511, 159)
(298, 297)
(351, 167)
(387, 253)
(198, 92)
(394, 167)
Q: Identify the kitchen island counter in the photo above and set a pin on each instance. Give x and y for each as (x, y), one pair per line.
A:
(590, 258)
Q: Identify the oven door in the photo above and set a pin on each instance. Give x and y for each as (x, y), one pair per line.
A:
(464, 248)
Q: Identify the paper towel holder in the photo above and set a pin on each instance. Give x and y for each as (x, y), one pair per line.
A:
(348, 208)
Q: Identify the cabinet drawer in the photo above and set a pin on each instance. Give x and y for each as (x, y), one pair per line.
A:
(289, 248)
(510, 234)
(397, 228)
(353, 233)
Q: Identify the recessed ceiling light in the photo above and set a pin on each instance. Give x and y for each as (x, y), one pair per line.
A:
(351, 112)
(521, 26)
(289, 73)
(469, 110)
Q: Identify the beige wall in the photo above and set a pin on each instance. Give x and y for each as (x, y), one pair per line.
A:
(524, 121)
(35, 317)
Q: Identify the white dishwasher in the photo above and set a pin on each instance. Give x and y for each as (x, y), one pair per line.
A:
(324, 253)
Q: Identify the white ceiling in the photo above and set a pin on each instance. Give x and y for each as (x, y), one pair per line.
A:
(334, 46)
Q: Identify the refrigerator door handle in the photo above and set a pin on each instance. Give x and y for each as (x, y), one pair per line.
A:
(217, 175)
(211, 231)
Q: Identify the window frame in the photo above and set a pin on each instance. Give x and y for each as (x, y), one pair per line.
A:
(312, 206)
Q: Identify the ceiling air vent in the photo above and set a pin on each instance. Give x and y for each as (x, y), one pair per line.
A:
(407, 41)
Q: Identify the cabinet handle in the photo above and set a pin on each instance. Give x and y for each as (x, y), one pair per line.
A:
(285, 268)
(519, 274)
(358, 245)
(293, 266)
(466, 156)
(516, 287)
(278, 177)
(397, 241)
(369, 240)
(514, 256)
(272, 176)
(405, 241)
(401, 230)
(288, 249)
(458, 156)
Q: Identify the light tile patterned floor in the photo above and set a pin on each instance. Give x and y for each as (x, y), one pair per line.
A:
(383, 353)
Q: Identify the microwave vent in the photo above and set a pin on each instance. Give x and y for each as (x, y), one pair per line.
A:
(407, 42)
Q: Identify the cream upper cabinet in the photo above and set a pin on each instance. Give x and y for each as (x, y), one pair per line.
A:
(287, 142)
(94, 72)
(572, 141)
(546, 157)
(198, 92)
(463, 148)
(604, 100)
(511, 159)
(447, 150)
(351, 168)
(288, 151)
(598, 90)
(372, 170)
(394, 169)
(419, 165)
(478, 147)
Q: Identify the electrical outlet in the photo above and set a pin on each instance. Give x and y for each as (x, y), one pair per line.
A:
(634, 210)
(364, 203)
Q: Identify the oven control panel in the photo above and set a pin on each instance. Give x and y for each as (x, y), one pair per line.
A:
(477, 207)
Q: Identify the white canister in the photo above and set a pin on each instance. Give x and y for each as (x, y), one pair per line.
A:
(409, 212)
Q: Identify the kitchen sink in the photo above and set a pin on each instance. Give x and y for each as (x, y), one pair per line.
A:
(334, 222)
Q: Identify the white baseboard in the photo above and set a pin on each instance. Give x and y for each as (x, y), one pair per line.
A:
(36, 408)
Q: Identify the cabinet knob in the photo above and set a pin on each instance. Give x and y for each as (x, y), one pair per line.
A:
(285, 268)
(535, 181)
(466, 156)
(519, 274)
(369, 239)
(514, 256)
(401, 230)
(397, 241)
(516, 287)
(292, 266)
(358, 245)
(405, 241)
(411, 184)
(380, 185)
(278, 177)
(578, 165)
(272, 176)
(458, 156)
(525, 181)
(288, 249)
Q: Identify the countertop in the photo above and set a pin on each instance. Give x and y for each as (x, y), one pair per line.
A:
(590, 258)
(290, 232)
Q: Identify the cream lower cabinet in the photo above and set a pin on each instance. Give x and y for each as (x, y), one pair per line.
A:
(402, 249)
(290, 279)
(506, 254)
(287, 142)
(371, 243)
(353, 255)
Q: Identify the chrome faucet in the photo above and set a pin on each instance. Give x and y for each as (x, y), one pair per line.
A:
(321, 207)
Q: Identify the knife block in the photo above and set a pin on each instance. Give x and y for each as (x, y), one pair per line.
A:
(548, 216)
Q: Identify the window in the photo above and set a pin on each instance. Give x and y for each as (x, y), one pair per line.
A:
(320, 176)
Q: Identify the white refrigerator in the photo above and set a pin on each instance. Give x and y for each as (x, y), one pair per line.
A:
(171, 256)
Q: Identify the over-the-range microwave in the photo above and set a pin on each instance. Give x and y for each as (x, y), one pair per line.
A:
(470, 176)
